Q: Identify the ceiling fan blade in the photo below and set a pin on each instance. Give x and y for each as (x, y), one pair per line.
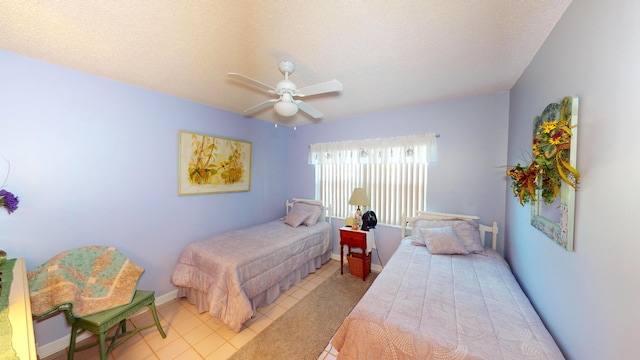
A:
(261, 106)
(253, 82)
(325, 87)
(315, 113)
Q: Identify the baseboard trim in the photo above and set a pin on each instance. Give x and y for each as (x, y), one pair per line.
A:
(62, 343)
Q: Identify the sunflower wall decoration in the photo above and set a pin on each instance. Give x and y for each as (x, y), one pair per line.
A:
(552, 172)
(209, 164)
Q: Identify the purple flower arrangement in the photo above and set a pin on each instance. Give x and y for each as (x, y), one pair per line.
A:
(8, 201)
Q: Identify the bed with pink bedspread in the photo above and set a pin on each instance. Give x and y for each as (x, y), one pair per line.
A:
(435, 300)
(231, 274)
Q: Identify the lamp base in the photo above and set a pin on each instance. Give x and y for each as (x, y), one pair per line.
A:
(357, 217)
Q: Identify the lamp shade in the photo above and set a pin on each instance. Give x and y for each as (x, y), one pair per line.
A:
(359, 197)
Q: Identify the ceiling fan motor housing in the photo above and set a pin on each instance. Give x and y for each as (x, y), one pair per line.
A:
(286, 67)
(286, 86)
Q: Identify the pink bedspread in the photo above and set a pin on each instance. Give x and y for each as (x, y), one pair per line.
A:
(224, 273)
(425, 306)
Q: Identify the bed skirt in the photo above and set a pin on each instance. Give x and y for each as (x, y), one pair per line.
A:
(199, 298)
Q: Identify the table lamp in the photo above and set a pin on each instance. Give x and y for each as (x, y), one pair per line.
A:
(359, 198)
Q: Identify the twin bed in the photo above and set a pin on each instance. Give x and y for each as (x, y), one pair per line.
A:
(231, 274)
(443, 295)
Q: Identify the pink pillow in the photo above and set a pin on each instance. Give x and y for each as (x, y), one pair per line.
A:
(314, 212)
(296, 216)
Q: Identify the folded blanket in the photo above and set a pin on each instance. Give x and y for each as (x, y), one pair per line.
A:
(90, 278)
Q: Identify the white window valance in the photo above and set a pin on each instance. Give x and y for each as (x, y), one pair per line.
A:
(397, 150)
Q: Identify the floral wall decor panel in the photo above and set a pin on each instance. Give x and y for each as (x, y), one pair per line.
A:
(550, 180)
(209, 164)
(8, 200)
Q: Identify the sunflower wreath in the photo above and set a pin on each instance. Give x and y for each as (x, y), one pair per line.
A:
(550, 165)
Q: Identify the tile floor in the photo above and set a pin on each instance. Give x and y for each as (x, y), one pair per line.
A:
(193, 336)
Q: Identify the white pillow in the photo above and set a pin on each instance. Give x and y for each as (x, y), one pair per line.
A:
(468, 231)
(417, 241)
(314, 212)
(442, 241)
(296, 216)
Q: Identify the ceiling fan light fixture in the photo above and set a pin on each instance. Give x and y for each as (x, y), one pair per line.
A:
(286, 105)
(285, 108)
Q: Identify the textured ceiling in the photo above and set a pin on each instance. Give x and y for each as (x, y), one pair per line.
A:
(388, 54)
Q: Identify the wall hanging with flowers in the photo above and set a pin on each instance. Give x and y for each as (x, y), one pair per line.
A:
(7, 199)
(551, 173)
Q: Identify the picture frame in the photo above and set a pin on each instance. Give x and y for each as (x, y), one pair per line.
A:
(210, 164)
(557, 220)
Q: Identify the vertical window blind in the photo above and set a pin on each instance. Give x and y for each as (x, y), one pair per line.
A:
(393, 171)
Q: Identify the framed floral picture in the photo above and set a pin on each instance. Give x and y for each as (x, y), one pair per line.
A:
(209, 164)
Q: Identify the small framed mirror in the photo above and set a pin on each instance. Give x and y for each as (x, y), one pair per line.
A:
(555, 136)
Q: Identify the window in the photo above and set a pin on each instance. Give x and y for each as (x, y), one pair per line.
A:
(393, 171)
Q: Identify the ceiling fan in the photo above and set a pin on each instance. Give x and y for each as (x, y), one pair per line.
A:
(285, 105)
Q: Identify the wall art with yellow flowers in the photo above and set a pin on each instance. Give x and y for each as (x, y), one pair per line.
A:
(550, 180)
(209, 164)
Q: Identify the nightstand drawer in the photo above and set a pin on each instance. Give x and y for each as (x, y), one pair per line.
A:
(353, 239)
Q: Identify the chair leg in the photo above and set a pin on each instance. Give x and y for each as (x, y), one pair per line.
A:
(72, 343)
(152, 306)
(103, 352)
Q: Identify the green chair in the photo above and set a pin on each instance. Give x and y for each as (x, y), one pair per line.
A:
(100, 323)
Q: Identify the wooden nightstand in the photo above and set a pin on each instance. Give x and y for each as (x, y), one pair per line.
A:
(357, 239)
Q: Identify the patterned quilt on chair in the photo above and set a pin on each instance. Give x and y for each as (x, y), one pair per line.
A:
(90, 278)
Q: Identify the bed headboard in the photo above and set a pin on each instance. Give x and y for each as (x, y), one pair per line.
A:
(326, 214)
(427, 215)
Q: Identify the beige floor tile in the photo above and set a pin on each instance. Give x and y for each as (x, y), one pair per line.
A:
(288, 302)
(275, 312)
(168, 307)
(89, 354)
(180, 315)
(156, 342)
(209, 344)
(131, 342)
(183, 326)
(310, 286)
(259, 323)
(300, 293)
(330, 357)
(214, 324)
(173, 349)
(226, 333)
(187, 305)
(197, 334)
(242, 338)
(190, 354)
(268, 308)
(137, 350)
(222, 353)
(291, 290)
(318, 279)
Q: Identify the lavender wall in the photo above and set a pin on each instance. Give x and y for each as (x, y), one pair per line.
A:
(94, 162)
(588, 298)
(468, 177)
